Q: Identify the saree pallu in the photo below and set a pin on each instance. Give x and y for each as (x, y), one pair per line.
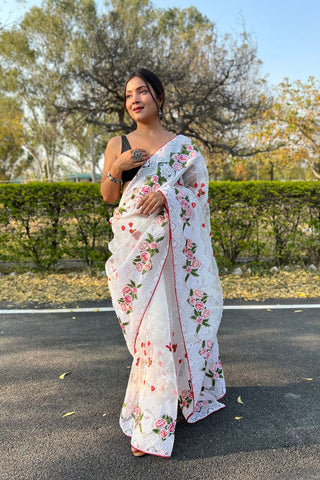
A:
(167, 295)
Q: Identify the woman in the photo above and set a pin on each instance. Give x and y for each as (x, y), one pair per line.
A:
(162, 275)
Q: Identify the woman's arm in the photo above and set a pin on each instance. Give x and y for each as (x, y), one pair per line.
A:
(110, 191)
(115, 163)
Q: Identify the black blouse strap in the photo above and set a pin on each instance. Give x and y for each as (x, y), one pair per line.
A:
(125, 145)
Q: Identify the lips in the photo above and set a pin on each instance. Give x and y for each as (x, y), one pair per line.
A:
(137, 110)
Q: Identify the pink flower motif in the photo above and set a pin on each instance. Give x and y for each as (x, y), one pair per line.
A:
(199, 306)
(171, 427)
(126, 290)
(184, 204)
(203, 352)
(139, 267)
(136, 411)
(163, 433)
(184, 403)
(134, 290)
(209, 342)
(160, 423)
(183, 158)
(190, 244)
(219, 364)
(216, 375)
(185, 250)
(193, 154)
(136, 235)
(127, 298)
(156, 187)
(189, 148)
(123, 307)
(154, 178)
(191, 394)
(116, 215)
(176, 166)
(192, 300)
(213, 367)
(189, 212)
(143, 245)
(206, 313)
(153, 245)
(184, 219)
(195, 263)
(199, 320)
(175, 156)
(184, 394)
(183, 193)
(147, 266)
(198, 293)
(159, 219)
(146, 189)
(190, 255)
(188, 269)
(145, 256)
(137, 198)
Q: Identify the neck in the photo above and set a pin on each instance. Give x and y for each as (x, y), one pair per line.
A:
(149, 129)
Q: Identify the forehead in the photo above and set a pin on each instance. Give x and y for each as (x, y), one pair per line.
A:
(134, 83)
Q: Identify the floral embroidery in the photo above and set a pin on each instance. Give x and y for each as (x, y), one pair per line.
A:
(192, 263)
(201, 314)
(186, 210)
(137, 416)
(148, 248)
(165, 426)
(162, 219)
(129, 293)
(186, 398)
(214, 372)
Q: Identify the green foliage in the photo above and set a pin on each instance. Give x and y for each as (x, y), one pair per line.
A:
(46, 222)
(280, 220)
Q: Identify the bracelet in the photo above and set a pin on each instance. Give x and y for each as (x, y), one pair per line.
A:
(112, 179)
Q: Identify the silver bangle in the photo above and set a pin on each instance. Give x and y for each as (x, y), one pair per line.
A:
(112, 179)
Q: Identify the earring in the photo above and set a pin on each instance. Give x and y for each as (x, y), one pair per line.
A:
(160, 111)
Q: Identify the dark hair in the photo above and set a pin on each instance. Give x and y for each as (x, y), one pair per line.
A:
(151, 80)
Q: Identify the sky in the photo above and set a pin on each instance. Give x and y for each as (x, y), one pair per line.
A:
(286, 32)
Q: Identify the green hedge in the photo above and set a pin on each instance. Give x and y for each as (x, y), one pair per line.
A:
(279, 220)
(46, 222)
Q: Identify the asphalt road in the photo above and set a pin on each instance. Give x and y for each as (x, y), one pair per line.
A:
(271, 360)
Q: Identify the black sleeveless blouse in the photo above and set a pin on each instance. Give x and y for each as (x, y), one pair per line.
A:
(127, 175)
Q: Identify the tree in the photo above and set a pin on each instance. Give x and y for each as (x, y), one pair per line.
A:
(291, 128)
(68, 64)
(212, 85)
(11, 137)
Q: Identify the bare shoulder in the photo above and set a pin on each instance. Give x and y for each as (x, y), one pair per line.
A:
(114, 144)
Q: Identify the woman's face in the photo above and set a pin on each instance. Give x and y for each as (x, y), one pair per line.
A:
(139, 102)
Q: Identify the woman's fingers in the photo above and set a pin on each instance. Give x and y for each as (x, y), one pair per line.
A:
(150, 203)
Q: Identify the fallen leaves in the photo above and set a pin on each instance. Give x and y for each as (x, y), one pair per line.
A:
(64, 374)
(294, 284)
(59, 288)
(53, 288)
(239, 400)
(68, 414)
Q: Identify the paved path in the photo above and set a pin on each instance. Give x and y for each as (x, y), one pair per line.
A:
(271, 359)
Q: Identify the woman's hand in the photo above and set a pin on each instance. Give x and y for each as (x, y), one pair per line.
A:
(126, 160)
(151, 202)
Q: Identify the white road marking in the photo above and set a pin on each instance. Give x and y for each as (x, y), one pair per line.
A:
(111, 309)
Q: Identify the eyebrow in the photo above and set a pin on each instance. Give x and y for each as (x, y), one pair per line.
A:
(138, 88)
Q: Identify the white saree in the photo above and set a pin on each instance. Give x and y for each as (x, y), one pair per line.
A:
(167, 295)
